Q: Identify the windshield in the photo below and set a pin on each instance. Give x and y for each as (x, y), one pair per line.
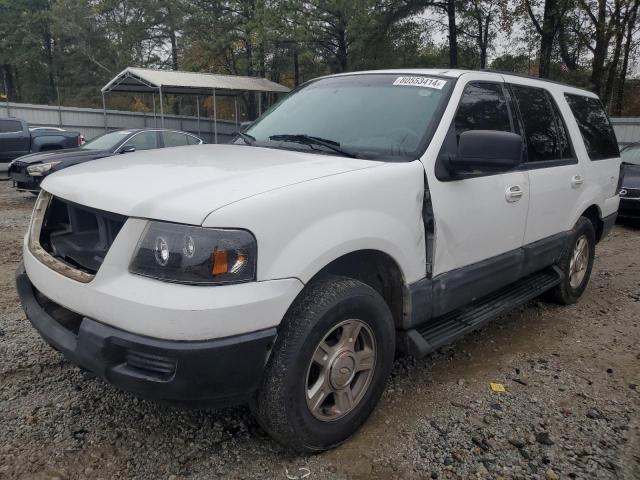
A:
(372, 116)
(108, 141)
(631, 155)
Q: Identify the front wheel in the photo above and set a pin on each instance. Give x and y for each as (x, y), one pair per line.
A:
(576, 264)
(329, 365)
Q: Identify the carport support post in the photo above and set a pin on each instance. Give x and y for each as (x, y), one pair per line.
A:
(215, 117)
(161, 108)
(104, 112)
(259, 103)
(235, 106)
(198, 112)
(155, 118)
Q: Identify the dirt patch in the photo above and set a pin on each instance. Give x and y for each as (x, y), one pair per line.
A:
(570, 409)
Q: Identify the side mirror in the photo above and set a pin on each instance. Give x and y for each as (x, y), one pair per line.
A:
(486, 151)
(128, 149)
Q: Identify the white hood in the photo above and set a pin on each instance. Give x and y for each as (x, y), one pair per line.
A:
(185, 184)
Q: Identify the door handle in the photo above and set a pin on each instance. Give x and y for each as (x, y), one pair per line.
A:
(514, 193)
(577, 181)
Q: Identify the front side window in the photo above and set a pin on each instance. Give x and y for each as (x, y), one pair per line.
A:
(540, 125)
(108, 141)
(10, 126)
(143, 141)
(595, 127)
(483, 107)
(372, 116)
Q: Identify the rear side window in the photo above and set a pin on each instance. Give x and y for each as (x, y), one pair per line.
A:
(143, 141)
(483, 107)
(597, 132)
(174, 139)
(544, 129)
(9, 126)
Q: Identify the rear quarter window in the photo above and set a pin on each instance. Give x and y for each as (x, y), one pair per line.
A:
(595, 127)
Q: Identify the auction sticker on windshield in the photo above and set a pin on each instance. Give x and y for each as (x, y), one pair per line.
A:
(420, 82)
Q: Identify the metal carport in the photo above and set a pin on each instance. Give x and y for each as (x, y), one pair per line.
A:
(163, 82)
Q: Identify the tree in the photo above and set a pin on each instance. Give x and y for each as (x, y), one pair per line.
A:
(553, 14)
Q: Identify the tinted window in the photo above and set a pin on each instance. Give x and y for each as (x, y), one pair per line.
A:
(174, 139)
(483, 107)
(596, 130)
(541, 128)
(564, 150)
(7, 126)
(143, 141)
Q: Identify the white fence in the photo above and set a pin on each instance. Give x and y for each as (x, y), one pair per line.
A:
(627, 129)
(91, 121)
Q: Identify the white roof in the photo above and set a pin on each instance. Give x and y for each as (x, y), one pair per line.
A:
(134, 79)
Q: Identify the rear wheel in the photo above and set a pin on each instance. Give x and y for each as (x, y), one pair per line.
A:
(328, 369)
(576, 264)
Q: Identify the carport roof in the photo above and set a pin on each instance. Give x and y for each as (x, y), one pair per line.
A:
(149, 80)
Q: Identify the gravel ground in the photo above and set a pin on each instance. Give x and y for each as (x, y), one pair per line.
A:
(570, 409)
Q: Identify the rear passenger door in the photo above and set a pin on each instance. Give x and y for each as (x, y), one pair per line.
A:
(555, 176)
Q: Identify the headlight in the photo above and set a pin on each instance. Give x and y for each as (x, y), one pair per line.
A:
(41, 168)
(194, 255)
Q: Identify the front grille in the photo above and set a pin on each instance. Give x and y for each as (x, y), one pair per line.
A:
(78, 236)
(158, 365)
(19, 167)
(630, 193)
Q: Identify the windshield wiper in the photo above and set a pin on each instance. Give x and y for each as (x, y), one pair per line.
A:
(248, 139)
(310, 140)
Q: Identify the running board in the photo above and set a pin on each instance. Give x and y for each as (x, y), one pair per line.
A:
(450, 327)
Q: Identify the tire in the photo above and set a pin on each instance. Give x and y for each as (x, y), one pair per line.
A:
(571, 288)
(326, 311)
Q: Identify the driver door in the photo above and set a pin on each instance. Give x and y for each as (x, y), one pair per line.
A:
(480, 221)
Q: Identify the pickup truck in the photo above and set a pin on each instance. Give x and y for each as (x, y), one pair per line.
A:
(366, 214)
(17, 139)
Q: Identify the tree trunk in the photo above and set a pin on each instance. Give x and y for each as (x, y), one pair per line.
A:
(600, 50)
(9, 82)
(296, 67)
(547, 37)
(453, 38)
(619, 97)
(612, 69)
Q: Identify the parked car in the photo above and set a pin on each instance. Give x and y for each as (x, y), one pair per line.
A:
(365, 213)
(630, 192)
(28, 172)
(17, 139)
(55, 129)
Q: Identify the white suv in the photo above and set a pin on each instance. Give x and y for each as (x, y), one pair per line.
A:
(365, 213)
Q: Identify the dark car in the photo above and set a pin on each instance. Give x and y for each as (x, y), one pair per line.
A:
(27, 172)
(17, 139)
(630, 192)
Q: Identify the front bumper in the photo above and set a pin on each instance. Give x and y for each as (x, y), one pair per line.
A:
(22, 181)
(223, 371)
(629, 207)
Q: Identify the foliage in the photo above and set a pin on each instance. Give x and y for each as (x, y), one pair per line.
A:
(65, 50)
